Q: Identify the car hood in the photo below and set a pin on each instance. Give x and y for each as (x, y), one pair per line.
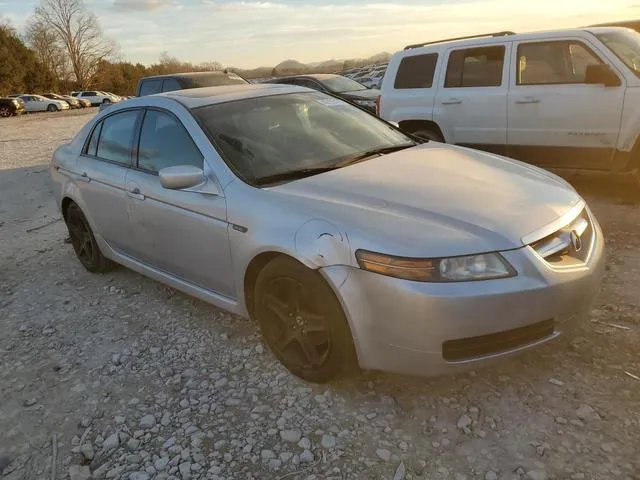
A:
(436, 200)
(369, 94)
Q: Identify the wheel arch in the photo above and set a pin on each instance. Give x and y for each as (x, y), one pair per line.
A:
(413, 125)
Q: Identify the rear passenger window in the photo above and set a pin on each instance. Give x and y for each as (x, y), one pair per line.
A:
(416, 71)
(92, 145)
(170, 85)
(149, 87)
(116, 138)
(475, 67)
(88, 94)
(164, 142)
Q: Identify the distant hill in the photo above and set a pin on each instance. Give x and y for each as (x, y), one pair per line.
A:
(294, 67)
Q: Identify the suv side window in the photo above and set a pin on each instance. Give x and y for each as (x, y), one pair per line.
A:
(164, 142)
(89, 94)
(416, 71)
(170, 85)
(149, 87)
(116, 137)
(475, 67)
(553, 63)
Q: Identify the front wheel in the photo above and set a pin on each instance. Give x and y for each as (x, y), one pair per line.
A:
(84, 243)
(302, 321)
(52, 108)
(5, 111)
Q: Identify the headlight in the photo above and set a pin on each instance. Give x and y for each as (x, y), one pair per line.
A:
(485, 266)
(16, 102)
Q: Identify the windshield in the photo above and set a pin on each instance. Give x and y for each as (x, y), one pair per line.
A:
(213, 80)
(269, 136)
(626, 45)
(341, 84)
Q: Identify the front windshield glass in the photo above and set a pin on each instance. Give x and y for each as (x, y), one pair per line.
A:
(340, 84)
(268, 136)
(626, 45)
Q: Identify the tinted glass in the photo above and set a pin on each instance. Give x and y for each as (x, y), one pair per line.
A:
(92, 145)
(626, 45)
(341, 84)
(149, 87)
(475, 67)
(170, 85)
(266, 136)
(164, 142)
(88, 94)
(116, 138)
(212, 79)
(552, 63)
(416, 71)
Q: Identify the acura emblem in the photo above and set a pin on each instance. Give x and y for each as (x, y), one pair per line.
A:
(576, 241)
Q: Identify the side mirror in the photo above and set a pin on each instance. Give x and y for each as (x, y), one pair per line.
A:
(181, 176)
(601, 74)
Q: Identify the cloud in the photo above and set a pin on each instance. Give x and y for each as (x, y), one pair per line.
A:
(141, 5)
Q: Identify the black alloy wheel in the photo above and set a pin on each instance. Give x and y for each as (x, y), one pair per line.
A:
(83, 241)
(302, 321)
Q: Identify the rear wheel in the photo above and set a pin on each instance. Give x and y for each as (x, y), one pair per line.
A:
(302, 321)
(429, 134)
(106, 100)
(5, 111)
(52, 108)
(84, 243)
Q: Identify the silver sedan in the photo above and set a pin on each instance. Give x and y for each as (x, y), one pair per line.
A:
(347, 241)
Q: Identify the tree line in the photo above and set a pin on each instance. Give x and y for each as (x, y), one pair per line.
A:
(63, 48)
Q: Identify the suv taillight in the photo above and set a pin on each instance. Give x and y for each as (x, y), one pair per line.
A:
(378, 99)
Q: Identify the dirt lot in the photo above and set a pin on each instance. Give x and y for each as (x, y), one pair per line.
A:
(120, 377)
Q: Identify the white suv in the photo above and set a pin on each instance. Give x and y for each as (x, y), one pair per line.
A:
(95, 97)
(564, 100)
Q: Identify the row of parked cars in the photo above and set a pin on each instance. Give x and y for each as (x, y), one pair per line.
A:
(18, 103)
(370, 76)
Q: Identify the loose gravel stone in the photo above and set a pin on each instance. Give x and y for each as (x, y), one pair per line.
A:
(111, 442)
(78, 472)
(148, 421)
(306, 456)
(87, 451)
(383, 454)
(328, 441)
(291, 436)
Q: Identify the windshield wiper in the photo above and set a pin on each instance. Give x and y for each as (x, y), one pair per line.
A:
(370, 153)
(292, 175)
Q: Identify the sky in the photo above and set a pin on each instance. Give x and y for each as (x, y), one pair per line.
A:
(252, 33)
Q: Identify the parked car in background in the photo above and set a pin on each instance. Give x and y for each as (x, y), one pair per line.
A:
(632, 24)
(337, 85)
(565, 100)
(11, 106)
(183, 81)
(84, 103)
(346, 240)
(95, 97)
(38, 103)
(73, 102)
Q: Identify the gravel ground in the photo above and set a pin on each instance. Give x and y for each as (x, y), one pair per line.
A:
(116, 376)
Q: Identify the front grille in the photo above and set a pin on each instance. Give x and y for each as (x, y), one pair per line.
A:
(571, 245)
(474, 347)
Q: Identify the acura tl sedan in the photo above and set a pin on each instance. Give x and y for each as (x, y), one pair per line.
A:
(348, 242)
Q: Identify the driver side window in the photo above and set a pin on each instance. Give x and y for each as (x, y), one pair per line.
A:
(164, 142)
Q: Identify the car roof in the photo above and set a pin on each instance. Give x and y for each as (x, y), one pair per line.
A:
(316, 76)
(501, 37)
(199, 97)
(189, 75)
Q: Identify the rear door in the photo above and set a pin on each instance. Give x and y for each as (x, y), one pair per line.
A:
(101, 170)
(471, 103)
(556, 119)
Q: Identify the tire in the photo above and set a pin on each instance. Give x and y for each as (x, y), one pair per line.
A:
(106, 100)
(428, 134)
(5, 111)
(84, 243)
(302, 321)
(52, 108)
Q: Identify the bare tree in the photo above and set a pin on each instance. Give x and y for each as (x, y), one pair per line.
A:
(79, 32)
(49, 51)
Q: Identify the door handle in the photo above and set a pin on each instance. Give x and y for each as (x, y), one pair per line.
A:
(527, 100)
(83, 177)
(452, 101)
(135, 193)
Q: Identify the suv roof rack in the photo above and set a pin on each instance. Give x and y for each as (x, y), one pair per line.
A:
(494, 34)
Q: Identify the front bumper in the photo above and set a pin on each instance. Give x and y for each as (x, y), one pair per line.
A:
(410, 327)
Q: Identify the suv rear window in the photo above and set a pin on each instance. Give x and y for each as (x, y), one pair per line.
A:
(416, 71)
(149, 87)
(475, 67)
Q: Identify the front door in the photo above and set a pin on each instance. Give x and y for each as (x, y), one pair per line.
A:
(471, 104)
(100, 177)
(555, 118)
(181, 232)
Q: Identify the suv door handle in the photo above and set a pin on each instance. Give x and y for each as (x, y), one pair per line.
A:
(527, 100)
(135, 193)
(83, 177)
(452, 101)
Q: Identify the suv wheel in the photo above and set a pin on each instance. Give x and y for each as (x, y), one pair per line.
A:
(428, 134)
(5, 111)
